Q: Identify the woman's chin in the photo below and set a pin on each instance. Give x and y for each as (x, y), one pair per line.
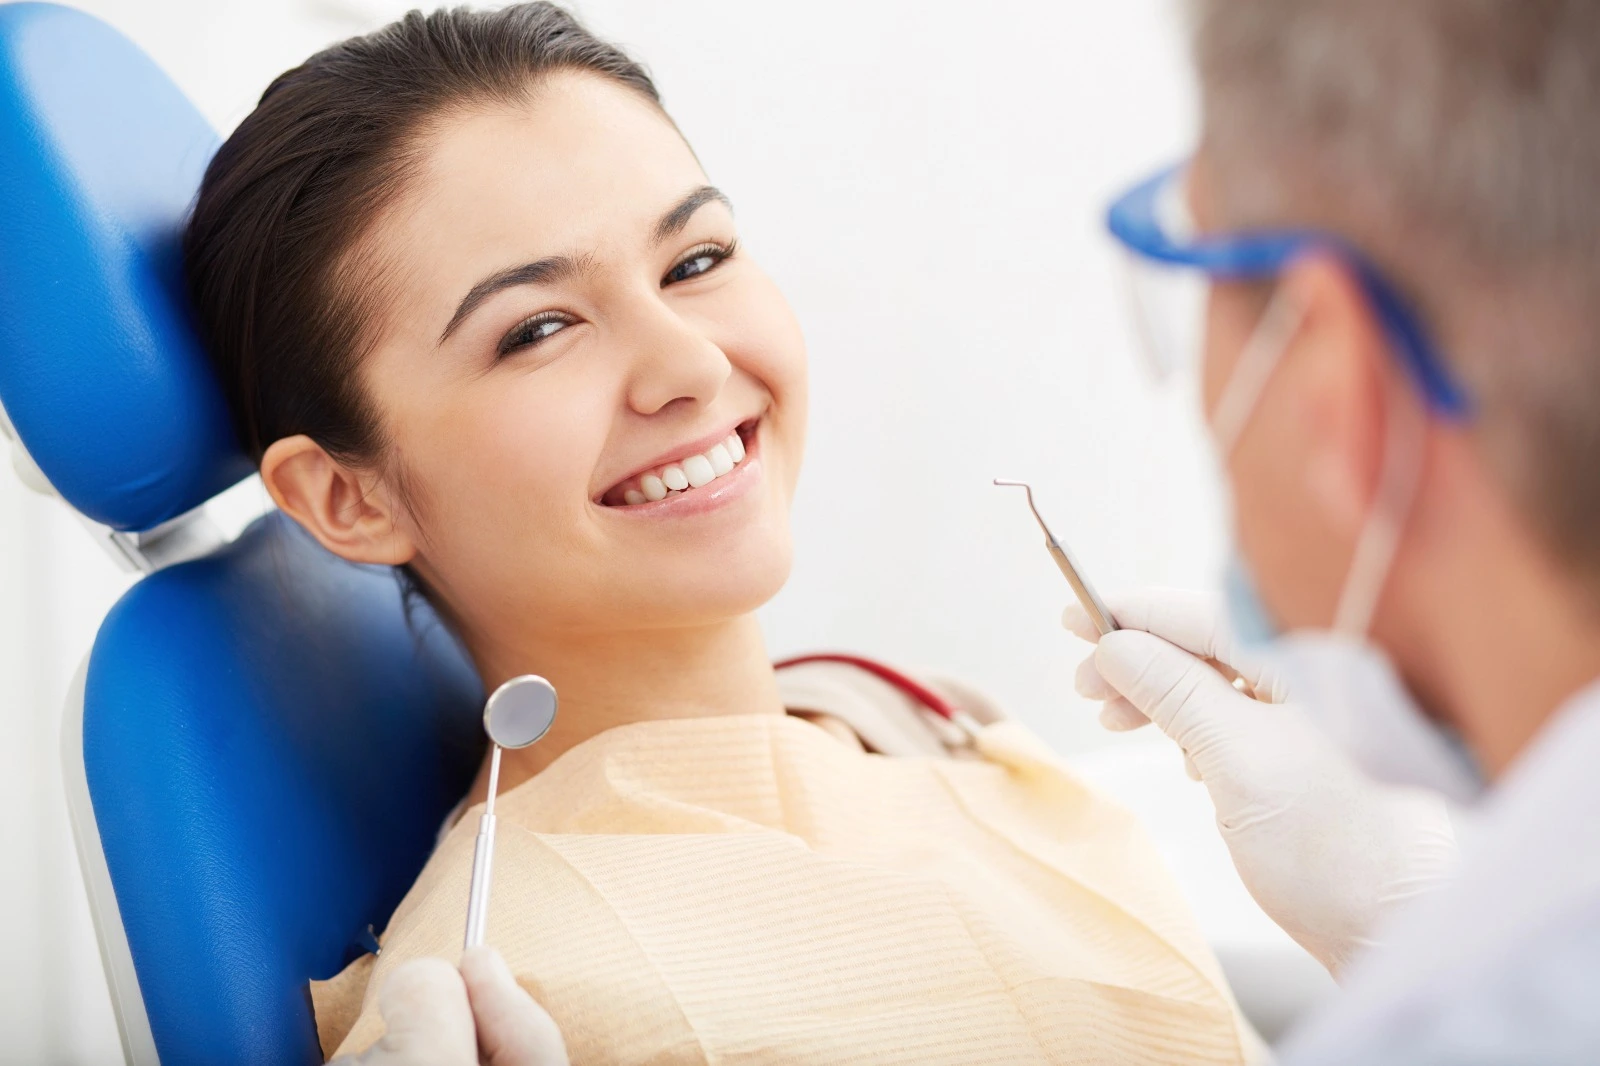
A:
(701, 592)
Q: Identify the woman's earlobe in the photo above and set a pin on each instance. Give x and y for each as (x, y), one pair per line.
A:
(350, 511)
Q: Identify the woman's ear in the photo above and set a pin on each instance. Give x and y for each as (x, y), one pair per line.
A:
(351, 512)
(1346, 372)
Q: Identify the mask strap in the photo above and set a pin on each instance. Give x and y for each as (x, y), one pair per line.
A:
(1404, 434)
(1254, 369)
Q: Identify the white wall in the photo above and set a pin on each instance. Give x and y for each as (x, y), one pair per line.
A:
(926, 181)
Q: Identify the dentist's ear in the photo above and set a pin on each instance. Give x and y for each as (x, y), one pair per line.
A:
(351, 512)
(1344, 374)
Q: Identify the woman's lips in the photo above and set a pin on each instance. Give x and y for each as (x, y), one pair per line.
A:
(687, 475)
(710, 495)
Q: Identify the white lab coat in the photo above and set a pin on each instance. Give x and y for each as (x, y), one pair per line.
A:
(1502, 966)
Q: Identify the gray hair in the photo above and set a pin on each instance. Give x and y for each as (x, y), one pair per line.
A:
(1457, 142)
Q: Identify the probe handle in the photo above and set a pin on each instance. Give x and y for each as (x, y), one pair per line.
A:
(478, 896)
(1232, 677)
(1100, 615)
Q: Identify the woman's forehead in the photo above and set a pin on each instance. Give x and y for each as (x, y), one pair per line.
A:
(583, 167)
(583, 158)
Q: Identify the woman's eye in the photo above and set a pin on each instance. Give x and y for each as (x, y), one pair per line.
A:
(538, 328)
(699, 261)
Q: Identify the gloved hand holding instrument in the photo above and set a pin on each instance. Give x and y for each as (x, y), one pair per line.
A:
(435, 1015)
(1324, 850)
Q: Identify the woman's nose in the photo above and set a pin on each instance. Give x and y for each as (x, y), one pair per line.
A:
(674, 361)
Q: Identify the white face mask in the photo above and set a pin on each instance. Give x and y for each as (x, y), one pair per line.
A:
(1345, 682)
(1353, 693)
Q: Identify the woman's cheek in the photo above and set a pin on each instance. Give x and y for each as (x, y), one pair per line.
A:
(551, 420)
(790, 386)
(771, 348)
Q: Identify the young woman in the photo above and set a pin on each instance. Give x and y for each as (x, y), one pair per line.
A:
(480, 315)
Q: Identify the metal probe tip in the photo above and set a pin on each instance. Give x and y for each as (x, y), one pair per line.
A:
(1064, 562)
(1025, 487)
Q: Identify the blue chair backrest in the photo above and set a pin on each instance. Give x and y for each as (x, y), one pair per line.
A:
(100, 155)
(270, 747)
(269, 741)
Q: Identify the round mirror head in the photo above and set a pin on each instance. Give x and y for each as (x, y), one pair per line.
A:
(520, 711)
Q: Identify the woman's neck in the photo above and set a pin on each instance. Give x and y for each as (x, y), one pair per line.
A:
(610, 679)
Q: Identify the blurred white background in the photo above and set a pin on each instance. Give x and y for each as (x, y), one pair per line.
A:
(927, 181)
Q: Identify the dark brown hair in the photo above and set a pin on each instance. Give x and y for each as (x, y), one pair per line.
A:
(281, 310)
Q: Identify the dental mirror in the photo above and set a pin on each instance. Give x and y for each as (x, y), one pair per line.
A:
(520, 711)
(517, 714)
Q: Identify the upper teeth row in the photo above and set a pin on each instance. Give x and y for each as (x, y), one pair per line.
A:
(688, 473)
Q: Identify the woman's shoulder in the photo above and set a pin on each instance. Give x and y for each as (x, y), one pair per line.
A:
(895, 711)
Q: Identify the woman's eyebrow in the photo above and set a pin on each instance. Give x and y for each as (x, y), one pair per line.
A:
(554, 268)
(546, 271)
(678, 215)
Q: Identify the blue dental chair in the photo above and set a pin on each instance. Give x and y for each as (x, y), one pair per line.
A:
(262, 742)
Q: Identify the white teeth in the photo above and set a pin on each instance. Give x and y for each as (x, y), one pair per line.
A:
(693, 472)
(697, 468)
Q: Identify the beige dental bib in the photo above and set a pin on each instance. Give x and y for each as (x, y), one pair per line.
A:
(750, 890)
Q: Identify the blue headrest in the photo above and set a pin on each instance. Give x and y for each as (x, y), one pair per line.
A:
(270, 747)
(100, 372)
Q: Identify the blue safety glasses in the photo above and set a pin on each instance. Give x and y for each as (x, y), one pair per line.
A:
(1171, 262)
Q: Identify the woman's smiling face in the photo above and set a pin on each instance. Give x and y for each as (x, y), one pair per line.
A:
(593, 403)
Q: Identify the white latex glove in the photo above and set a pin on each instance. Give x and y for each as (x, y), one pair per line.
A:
(1323, 849)
(435, 1015)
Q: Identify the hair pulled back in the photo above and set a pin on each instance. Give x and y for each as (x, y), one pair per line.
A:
(282, 312)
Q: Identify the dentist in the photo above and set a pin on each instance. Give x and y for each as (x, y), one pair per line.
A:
(1393, 217)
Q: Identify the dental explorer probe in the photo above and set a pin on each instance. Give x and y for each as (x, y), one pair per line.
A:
(1098, 614)
(516, 715)
(1092, 603)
